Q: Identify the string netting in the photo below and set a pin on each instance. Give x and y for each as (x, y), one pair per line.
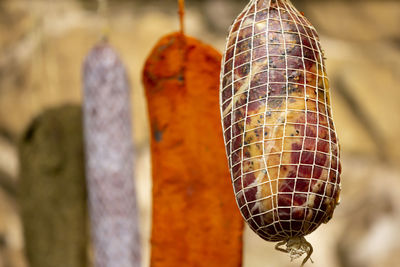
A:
(109, 160)
(279, 134)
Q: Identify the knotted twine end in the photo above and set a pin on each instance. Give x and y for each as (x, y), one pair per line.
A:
(296, 247)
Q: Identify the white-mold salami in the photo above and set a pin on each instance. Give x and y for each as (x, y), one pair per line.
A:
(110, 160)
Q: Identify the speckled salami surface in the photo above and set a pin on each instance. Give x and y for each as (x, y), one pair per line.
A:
(277, 122)
(109, 160)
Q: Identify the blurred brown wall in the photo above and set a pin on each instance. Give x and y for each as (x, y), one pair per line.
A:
(43, 43)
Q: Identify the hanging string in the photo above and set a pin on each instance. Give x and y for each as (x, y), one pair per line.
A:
(102, 11)
(181, 36)
(181, 13)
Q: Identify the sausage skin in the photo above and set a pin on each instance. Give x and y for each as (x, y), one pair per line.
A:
(280, 138)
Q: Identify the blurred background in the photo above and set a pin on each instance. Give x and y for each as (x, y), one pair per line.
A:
(43, 44)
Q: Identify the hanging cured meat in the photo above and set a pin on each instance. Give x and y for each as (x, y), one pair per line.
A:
(279, 134)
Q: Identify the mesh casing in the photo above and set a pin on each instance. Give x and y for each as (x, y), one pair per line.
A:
(279, 134)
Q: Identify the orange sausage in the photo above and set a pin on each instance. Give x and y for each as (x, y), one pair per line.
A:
(195, 219)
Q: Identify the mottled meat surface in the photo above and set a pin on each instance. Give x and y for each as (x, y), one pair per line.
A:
(277, 122)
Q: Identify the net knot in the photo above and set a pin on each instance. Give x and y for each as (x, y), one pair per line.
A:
(296, 247)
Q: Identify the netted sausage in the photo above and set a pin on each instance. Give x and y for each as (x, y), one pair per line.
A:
(279, 134)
